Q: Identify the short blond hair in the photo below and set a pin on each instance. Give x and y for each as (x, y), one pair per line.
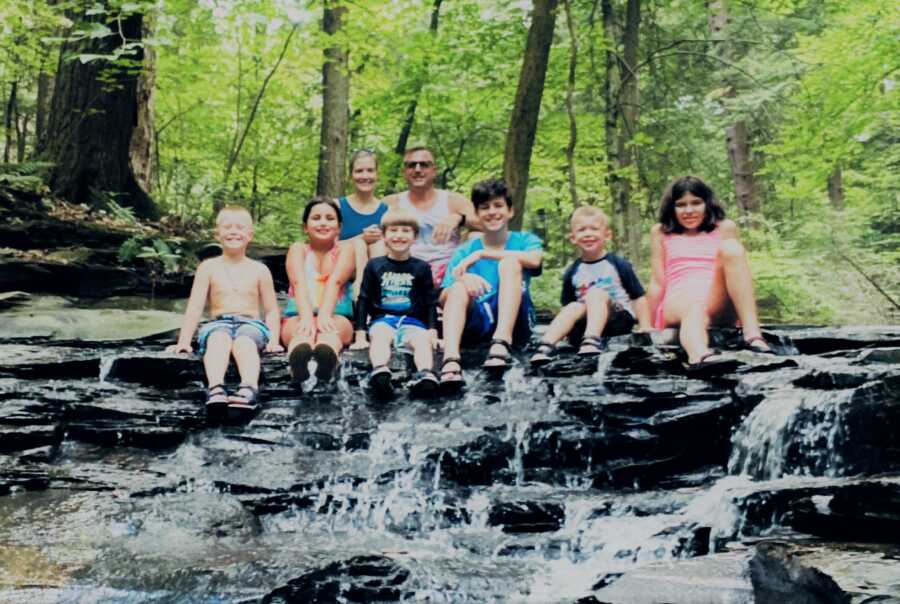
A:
(397, 217)
(236, 210)
(588, 212)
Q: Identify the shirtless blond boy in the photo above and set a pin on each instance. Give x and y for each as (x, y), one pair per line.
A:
(235, 287)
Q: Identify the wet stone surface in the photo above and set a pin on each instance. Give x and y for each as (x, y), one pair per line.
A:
(612, 479)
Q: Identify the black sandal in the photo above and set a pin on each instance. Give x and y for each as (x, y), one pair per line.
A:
(380, 382)
(216, 400)
(711, 364)
(424, 385)
(592, 346)
(498, 356)
(546, 353)
(243, 404)
(451, 379)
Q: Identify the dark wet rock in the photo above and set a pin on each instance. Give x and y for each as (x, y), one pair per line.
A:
(43, 363)
(28, 437)
(867, 512)
(527, 517)
(879, 355)
(359, 579)
(22, 479)
(819, 340)
(779, 577)
(822, 433)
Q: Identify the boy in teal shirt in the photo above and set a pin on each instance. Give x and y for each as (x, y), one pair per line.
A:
(485, 290)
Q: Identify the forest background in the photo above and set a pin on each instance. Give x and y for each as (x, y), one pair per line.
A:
(167, 109)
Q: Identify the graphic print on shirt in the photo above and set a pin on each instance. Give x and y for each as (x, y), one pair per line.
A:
(395, 288)
(600, 274)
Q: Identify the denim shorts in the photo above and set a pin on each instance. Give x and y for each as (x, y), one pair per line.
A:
(404, 327)
(236, 326)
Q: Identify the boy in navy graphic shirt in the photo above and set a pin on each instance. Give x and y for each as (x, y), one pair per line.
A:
(397, 292)
(601, 295)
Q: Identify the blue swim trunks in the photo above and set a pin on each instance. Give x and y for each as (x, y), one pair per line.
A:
(236, 326)
(481, 320)
(405, 327)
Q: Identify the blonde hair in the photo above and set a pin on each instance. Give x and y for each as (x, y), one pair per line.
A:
(395, 217)
(588, 212)
(236, 210)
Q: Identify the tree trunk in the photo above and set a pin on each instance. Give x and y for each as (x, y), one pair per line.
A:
(335, 108)
(737, 139)
(836, 187)
(9, 120)
(621, 123)
(44, 96)
(523, 123)
(141, 150)
(410, 118)
(92, 120)
(611, 84)
(570, 104)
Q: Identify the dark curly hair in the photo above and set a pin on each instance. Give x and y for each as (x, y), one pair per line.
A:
(489, 189)
(689, 184)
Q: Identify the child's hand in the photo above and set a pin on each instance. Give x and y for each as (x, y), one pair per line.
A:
(371, 234)
(306, 327)
(433, 338)
(179, 348)
(326, 323)
(475, 285)
(274, 346)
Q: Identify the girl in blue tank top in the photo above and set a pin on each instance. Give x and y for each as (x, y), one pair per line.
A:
(362, 212)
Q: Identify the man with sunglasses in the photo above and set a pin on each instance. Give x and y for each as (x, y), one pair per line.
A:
(441, 214)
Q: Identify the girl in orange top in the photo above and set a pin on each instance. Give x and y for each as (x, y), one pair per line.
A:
(317, 323)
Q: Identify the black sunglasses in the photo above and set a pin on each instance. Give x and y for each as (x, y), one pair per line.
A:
(412, 165)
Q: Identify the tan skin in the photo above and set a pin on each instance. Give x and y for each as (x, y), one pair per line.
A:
(730, 295)
(231, 284)
(322, 228)
(494, 216)
(590, 234)
(397, 240)
(369, 244)
(420, 171)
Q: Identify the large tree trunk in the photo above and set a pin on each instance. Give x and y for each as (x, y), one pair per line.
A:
(737, 139)
(409, 118)
(622, 106)
(92, 120)
(527, 107)
(42, 111)
(335, 108)
(570, 104)
(141, 151)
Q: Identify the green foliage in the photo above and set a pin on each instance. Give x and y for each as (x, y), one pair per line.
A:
(27, 176)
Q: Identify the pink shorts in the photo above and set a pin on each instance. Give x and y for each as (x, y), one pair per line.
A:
(438, 270)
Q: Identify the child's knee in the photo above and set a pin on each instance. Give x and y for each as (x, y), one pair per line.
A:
(596, 296)
(730, 249)
(509, 267)
(245, 344)
(458, 292)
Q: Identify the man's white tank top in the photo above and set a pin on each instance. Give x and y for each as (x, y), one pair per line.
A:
(424, 248)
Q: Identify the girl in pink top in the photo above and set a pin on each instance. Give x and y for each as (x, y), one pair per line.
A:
(700, 272)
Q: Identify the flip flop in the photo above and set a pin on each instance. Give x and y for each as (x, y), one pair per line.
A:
(711, 364)
(298, 361)
(326, 361)
(546, 354)
(758, 344)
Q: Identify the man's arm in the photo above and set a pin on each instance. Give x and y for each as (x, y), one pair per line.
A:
(460, 205)
(270, 308)
(194, 311)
